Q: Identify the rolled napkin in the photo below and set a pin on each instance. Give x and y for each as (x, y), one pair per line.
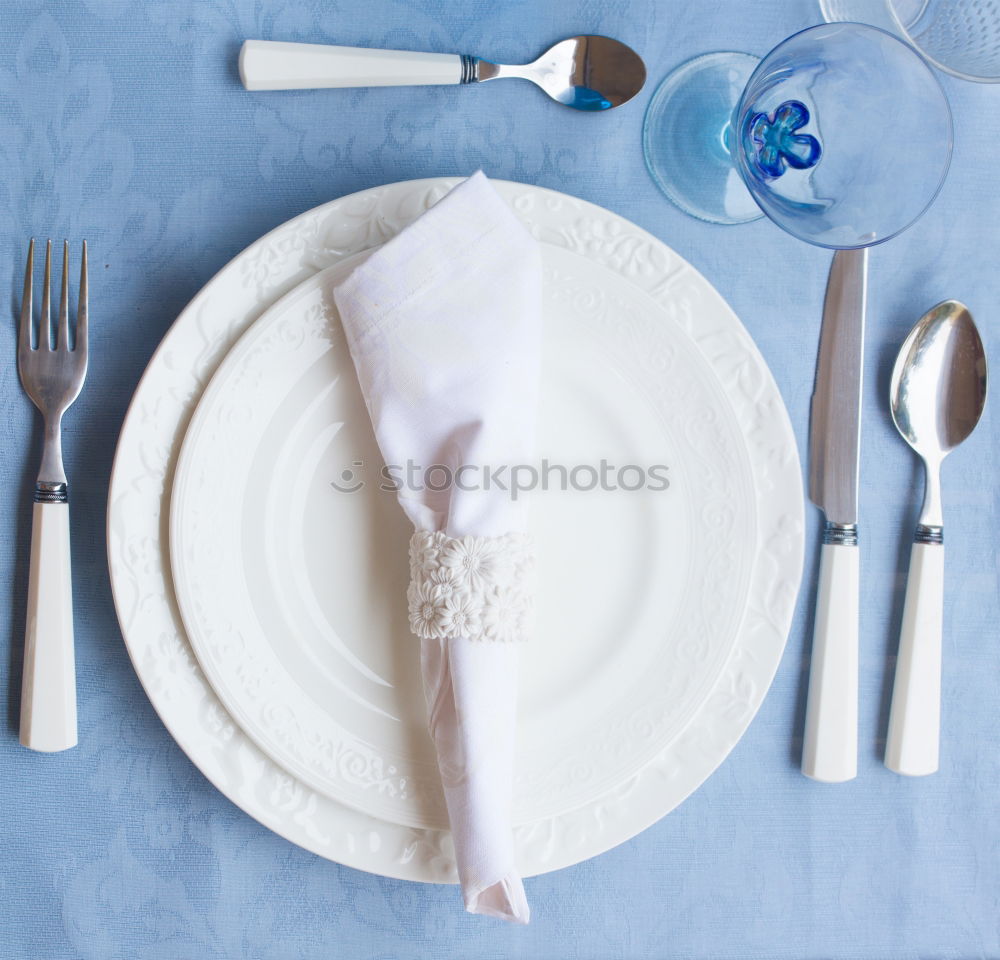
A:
(444, 326)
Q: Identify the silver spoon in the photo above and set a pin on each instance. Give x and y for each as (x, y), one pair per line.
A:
(585, 72)
(937, 396)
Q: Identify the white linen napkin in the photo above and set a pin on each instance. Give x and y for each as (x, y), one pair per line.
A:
(444, 326)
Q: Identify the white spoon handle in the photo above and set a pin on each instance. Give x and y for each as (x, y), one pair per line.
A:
(270, 65)
(914, 721)
(830, 744)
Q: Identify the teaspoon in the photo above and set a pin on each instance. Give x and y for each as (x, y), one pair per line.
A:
(937, 396)
(585, 72)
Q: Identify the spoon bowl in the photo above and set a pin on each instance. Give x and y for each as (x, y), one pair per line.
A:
(938, 389)
(586, 72)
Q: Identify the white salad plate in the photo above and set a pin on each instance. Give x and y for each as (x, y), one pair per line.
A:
(283, 664)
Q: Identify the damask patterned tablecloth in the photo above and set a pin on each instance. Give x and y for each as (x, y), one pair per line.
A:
(125, 122)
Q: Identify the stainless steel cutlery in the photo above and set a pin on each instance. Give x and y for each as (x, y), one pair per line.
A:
(937, 396)
(830, 750)
(585, 72)
(52, 370)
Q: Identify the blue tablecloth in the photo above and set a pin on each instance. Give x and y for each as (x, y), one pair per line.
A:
(124, 122)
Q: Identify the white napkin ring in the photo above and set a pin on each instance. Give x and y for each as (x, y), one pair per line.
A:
(474, 587)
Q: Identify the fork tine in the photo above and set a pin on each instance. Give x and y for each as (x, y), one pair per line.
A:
(81, 309)
(24, 328)
(62, 330)
(45, 324)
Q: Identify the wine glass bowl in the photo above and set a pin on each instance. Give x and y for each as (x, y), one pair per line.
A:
(844, 135)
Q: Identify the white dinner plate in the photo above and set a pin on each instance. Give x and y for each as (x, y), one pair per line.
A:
(742, 400)
(293, 592)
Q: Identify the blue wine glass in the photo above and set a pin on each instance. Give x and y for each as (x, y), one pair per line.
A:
(841, 135)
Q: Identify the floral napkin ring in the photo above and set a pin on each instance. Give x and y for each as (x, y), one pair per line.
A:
(474, 587)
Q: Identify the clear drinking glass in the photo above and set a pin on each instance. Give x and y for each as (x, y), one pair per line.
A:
(961, 37)
(841, 135)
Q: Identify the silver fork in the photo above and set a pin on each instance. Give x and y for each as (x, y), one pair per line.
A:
(52, 375)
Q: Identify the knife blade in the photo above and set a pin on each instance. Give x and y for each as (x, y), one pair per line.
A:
(830, 742)
(835, 421)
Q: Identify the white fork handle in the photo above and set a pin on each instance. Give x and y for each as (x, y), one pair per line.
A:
(48, 690)
(830, 745)
(915, 718)
(273, 65)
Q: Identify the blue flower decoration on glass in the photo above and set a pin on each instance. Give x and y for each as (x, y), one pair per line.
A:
(776, 144)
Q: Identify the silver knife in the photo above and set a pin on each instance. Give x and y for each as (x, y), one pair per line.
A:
(830, 744)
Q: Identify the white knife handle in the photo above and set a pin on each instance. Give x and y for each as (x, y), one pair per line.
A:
(271, 65)
(914, 721)
(48, 689)
(830, 745)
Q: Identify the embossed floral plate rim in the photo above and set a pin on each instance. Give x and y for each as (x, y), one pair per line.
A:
(140, 492)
